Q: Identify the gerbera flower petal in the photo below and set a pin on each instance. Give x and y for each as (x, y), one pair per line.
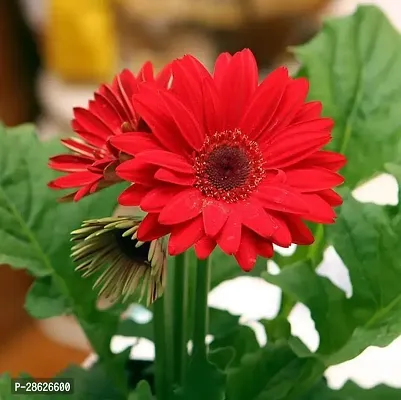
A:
(300, 233)
(229, 237)
(215, 215)
(74, 179)
(151, 229)
(204, 247)
(69, 163)
(104, 109)
(312, 179)
(220, 67)
(155, 200)
(137, 171)
(188, 76)
(282, 235)
(331, 197)
(113, 97)
(78, 146)
(264, 103)
(311, 110)
(301, 128)
(134, 143)
(150, 103)
(184, 206)
(320, 210)
(84, 191)
(242, 69)
(325, 159)
(291, 150)
(212, 108)
(263, 246)
(146, 73)
(281, 198)
(133, 195)
(255, 218)
(176, 178)
(248, 252)
(163, 78)
(88, 122)
(160, 158)
(127, 85)
(185, 235)
(291, 102)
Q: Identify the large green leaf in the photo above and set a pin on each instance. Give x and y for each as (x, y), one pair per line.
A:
(141, 392)
(273, 372)
(203, 380)
(44, 299)
(92, 384)
(242, 340)
(6, 390)
(367, 240)
(351, 391)
(353, 66)
(35, 230)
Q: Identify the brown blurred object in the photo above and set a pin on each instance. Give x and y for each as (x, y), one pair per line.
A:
(267, 27)
(18, 65)
(23, 347)
(270, 26)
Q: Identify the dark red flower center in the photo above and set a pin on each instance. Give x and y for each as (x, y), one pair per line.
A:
(229, 166)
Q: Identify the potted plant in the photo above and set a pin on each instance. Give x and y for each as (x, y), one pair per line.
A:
(223, 169)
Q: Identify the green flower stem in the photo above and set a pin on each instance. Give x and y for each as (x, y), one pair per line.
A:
(180, 314)
(201, 327)
(161, 374)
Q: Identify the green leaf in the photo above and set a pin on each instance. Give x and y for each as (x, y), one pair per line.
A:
(351, 391)
(301, 283)
(277, 329)
(35, 230)
(142, 392)
(203, 380)
(92, 384)
(273, 372)
(5, 390)
(353, 67)
(44, 299)
(367, 240)
(242, 340)
(222, 357)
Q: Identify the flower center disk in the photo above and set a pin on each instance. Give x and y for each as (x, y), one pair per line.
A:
(229, 166)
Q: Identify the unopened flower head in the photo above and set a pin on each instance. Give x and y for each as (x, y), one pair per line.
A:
(110, 246)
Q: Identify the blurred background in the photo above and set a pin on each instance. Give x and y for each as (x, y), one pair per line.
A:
(53, 55)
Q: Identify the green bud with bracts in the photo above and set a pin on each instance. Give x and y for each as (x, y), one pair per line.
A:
(127, 265)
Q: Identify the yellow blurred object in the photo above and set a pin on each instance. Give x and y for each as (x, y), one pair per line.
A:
(81, 40)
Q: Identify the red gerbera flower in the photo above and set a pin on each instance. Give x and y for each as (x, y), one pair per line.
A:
(230, 162)
(92, 165)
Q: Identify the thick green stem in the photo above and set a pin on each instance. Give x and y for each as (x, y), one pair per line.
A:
(201, 308)
(180, 314)
(162, 368)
